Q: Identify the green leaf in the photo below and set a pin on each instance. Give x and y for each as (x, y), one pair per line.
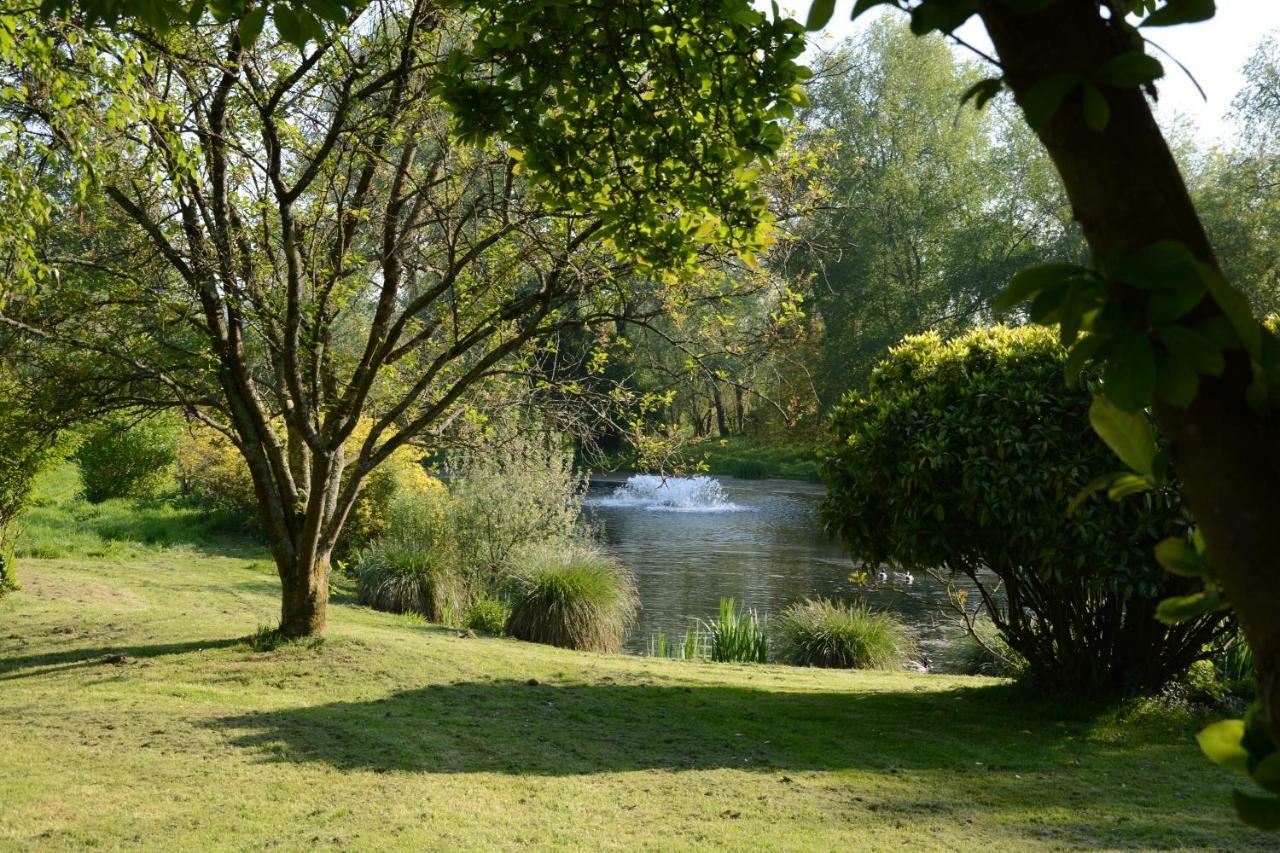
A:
(289, 25)
(1080, 355)
(983, 91)
(865, 5)
(1223, 744)
(1267, 772)
(943, 17)
(1177, 557)
(1097, 112)
(1180, 12)
(1236, 306)
(1132, 68)
(1259, 812)
(1129, 377)
(1177, 380)
(1129, 484)
(1128, 434)
(1194, 346)
(1095, 485)
(820, 12)
(1029, 282)
(250, 26)
(1045, 96)
(1182, 608)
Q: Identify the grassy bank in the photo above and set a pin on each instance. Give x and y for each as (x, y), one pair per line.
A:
(134, 712)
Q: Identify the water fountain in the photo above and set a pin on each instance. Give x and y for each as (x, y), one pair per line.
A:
(668, 494)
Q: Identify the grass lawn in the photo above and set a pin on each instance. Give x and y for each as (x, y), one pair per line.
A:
(133, 712)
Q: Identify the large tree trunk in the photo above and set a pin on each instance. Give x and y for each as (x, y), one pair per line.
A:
(305, 598)
(1125, 190)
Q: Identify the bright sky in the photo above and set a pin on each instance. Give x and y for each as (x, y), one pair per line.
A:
(1214, 51)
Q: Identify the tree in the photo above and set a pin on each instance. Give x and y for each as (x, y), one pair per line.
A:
(1237, 189)
(1154, 308)
(282, 244)
(931, 210)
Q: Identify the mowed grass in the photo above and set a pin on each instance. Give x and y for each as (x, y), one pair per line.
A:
(134, 712)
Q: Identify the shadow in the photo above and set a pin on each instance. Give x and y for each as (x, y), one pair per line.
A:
(12, 668)
(528, 728)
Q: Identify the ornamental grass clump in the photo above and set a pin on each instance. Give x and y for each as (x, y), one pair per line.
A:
(411, 569)
(397, 578)
(837, 635)
(571, 595)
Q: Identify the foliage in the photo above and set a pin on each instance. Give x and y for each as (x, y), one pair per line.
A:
(487, 615)
(693, 645)
(127, 456)
(410, 568)
(736, 635)
(921, 475)
(512, 493)
(213, 473)
(26, 447)
(571, 595)
(58, 523)
(839, 635)
(401, 479)
(982, 651)
(458, 267)
(930, 210)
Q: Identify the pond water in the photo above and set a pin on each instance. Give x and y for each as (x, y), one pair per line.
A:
(691, 541)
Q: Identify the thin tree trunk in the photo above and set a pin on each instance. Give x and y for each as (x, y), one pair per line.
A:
(1125, 190)
(722, 422)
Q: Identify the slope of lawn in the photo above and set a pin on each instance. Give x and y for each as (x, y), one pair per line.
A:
(136, 711)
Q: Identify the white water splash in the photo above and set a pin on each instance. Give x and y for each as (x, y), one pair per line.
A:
(669, 494)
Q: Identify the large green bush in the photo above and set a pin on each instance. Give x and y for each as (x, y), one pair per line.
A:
(571, 595)
(841, 636)
(963, 455)
(127, 456)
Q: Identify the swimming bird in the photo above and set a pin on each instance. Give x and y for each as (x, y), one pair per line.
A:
(904, 577)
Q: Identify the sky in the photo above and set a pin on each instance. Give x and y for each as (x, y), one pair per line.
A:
(1214, 51)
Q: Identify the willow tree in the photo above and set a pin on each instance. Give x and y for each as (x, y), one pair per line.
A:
(291, 244)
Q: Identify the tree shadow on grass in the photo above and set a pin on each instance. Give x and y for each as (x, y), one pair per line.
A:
(25, 666)
(539, 729)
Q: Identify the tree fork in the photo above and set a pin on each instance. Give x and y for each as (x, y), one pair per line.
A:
(1126, 190)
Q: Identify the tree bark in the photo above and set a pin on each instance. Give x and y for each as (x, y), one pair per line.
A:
(722, 422)
(1126, 191)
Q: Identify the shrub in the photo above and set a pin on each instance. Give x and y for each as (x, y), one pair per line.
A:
(573, 596)
(841, 636)
(399, 481)
(409, 570)
(982, 651)
(505, 499)
(963, 455)
(737, 636)
(212, 473)
(127, 457)
(488, 615)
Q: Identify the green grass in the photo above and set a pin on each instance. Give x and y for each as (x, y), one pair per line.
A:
(61, 523)
(135, 712)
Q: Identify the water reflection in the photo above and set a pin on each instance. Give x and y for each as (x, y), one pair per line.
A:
(691, 542)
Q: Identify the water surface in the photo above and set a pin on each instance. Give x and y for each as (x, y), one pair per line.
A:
(691, 542)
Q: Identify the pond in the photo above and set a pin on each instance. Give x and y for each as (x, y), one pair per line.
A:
(691, 541)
